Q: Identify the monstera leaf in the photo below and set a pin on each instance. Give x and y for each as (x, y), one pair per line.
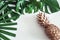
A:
(10, 10)
(47, 6)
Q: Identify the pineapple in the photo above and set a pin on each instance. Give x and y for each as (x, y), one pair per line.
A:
(51, 30)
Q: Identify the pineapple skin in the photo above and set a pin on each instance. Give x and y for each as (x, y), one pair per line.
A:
(51, 30)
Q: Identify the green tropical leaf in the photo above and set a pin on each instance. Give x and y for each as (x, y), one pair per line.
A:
(46, 8)
(29, 8)
(7, 33)
(3, 28)
(4, 37)
(8, 28)
(53, 5)
(12, 9)
(7, 24)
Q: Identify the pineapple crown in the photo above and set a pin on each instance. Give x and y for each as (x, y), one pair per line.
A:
(42, 20)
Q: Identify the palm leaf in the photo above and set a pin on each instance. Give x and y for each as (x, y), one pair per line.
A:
(15, 8)
(7, 33)
(7, 24)
(8, 28)
(4, 37)
(3, 28)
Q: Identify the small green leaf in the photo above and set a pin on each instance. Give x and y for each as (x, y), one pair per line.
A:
(29, 8)
(41, 7)
(5, 14)
(15, 15)
(18, 5)
(7, 33)
(1, 3)
(8, 24)
(8, 28)
(46, 9)
(8, 19)
(4, 37)
(35, 9)
(53, 5)
(2, 9)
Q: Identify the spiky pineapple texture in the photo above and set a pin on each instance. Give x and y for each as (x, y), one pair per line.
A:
(15, 8)
(52, 31)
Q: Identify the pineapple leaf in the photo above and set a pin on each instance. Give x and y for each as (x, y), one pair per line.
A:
(12, 9)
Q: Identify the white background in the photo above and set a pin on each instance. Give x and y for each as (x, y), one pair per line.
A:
(29, 29)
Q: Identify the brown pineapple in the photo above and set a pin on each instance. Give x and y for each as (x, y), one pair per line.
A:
(52, 31)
